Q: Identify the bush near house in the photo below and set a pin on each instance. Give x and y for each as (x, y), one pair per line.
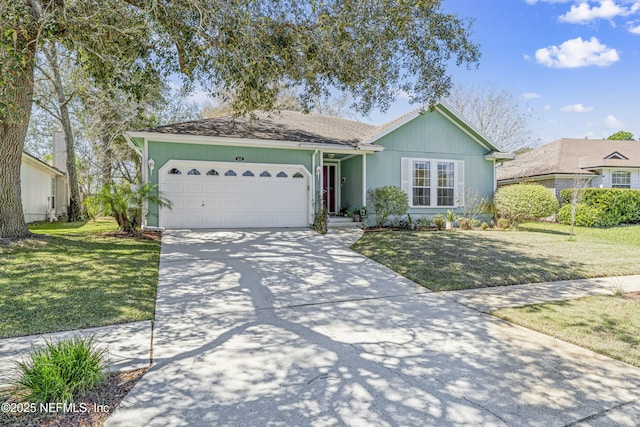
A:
(388, 201)
(613, 206)
(524, 202)
(586, 216)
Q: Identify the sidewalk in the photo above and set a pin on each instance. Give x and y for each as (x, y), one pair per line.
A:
(486, 300)
(129, 346)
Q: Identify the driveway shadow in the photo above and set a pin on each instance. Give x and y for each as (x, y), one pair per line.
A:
(284, 327)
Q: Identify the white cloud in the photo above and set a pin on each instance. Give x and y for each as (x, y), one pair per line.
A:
(576, 108)
(576, 53)
(547, 107)
(584, 12)
(612, 123)
(635, 30)
(530, 95)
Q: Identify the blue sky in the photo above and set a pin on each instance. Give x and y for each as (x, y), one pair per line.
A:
(574, 63)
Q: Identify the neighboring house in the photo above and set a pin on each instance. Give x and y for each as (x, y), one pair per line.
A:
(281, 169)
(564, 162)
(43, 188)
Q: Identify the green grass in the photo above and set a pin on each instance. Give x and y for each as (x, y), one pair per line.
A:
(72, 276)
(539, 252)
(609, 325)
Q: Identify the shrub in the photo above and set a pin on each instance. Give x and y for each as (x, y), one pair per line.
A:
(387, 201)
(438, 221)
(617, 205)
(466, 223)
(484, 225)
(60, 371)
(504, 223)
(586, 216)
(124, 203)
(423, 222)
(524, 202)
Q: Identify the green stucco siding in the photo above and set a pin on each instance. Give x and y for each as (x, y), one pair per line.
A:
(351, 170)
(162, 152)
(430, 136)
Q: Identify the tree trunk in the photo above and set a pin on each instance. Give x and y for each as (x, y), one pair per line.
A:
(12, 134)
(75, 209)
(107, 159)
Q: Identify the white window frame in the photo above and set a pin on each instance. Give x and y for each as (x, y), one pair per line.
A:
(407, 181)
(615, 184)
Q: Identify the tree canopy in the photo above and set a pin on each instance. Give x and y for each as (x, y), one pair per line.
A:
(371, 50)
(495, 112)
(621, 136)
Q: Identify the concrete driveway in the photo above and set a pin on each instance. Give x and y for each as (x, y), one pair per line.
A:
(287, 327)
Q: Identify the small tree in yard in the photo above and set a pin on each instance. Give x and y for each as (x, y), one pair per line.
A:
(124, 203)
(579, 184)
(523, 202)
(387, 201)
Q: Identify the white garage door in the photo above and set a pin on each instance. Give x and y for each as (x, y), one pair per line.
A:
(234, 195)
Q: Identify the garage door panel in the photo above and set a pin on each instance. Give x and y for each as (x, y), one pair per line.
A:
(235, 201)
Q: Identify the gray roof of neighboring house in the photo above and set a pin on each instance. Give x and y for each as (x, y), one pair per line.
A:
(571, 156)
(283, 126)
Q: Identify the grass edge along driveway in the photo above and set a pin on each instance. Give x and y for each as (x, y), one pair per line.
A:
(539, 252)
(605, 324)
(74, 276)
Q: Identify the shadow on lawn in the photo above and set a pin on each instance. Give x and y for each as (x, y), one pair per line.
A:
(448, 261)
(77, 282)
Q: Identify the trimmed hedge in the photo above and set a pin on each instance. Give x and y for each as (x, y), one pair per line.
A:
(614, 205)
(586, 216)
(522, 202)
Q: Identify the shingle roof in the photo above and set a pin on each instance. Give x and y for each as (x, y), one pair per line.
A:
(570, 156)
(283, 126)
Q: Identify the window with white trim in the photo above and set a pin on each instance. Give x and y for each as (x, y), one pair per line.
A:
(621, 179)
(433, 182)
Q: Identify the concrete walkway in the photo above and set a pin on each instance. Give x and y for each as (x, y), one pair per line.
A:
(129, 346)
(487, 300)
(286, 327)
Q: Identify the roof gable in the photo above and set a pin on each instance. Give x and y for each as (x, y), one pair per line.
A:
(616, 156)
(34, 161)
(447, 112)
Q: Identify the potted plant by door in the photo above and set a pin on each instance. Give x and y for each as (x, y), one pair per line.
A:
(449, 218)
(356, 215)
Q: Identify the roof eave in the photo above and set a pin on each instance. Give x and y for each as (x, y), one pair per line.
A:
(499, 155)
(248, 142)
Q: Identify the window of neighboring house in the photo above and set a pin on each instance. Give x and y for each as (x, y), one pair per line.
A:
(621, 179)
(433, 183)
(53, 193)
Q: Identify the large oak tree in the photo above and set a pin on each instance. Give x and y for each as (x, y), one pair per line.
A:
(369, 49)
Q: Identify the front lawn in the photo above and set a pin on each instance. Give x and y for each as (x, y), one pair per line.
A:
(73, 276)
(609, 325)
(539, 252)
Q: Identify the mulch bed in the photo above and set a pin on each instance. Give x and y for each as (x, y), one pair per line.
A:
(138, 234)
(91, 409)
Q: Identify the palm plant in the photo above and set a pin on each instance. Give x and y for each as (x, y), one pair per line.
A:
(124, 203)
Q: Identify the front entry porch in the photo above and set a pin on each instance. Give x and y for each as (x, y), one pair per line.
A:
(342, 182)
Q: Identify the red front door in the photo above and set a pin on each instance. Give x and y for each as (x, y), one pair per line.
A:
(329, 187)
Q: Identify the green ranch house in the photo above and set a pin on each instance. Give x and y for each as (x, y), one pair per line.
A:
(282, 168)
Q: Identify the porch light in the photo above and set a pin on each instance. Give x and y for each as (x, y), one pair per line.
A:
(151, 163)
(318, 170)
